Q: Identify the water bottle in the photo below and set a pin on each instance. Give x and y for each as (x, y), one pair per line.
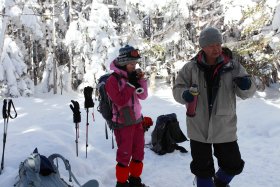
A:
(191, 107)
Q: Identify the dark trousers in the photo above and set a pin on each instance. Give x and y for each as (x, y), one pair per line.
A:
(227, 154)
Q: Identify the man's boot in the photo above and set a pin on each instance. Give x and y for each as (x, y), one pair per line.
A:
(222, 179)
(204, 182)
(219, 183)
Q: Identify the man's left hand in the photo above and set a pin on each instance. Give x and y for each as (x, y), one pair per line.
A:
(244, 83)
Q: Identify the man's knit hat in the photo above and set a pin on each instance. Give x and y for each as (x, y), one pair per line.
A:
(127, 54)
(210, 35)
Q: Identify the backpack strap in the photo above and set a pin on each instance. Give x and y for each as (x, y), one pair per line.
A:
(6, 112)
(118, 77)
(67, 166)
(180, 148)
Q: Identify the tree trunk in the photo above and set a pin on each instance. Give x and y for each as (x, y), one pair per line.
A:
(35, 71)
(53, 51)
(33, 66)
(70, 49)
(2, 35)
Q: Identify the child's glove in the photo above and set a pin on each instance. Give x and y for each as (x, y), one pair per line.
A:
(133, 79)
(139, 73)
(147, 123)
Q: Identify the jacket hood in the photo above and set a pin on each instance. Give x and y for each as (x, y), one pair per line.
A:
(223, 63)
(117, 70)
(200, 58)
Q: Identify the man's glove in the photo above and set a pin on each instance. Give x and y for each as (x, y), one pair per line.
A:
(188, 96)
(147, 123)
(88, 97)
(76, 111)
(133, 79)
(244, 83)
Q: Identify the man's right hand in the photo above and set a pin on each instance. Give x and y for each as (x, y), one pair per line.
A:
(188, 96)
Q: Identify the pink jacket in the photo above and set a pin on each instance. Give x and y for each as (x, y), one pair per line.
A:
(123, 94)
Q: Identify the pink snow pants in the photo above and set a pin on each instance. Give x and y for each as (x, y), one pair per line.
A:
(130, 141)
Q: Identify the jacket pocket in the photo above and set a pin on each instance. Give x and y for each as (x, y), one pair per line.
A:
(128, 115)
(225, 99)
(224, 109)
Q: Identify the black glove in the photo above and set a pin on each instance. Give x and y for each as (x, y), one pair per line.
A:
(88, 97)
(133, 79)
(76, 111)
(188, 96)
(244, 83)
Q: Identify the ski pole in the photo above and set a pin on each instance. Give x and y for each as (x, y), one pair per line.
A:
(88, 104)
(6, 119)
(77, 136)
(6, 112)
(106, 131)
(93, 118)
(76, 119)
(87, 133)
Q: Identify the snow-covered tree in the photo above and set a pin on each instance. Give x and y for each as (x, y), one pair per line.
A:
(94, 43)
(14, 81)
(66, 44)
(253, 40)
(16, 71)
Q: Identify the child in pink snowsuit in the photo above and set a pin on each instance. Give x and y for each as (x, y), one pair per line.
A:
(125, 88)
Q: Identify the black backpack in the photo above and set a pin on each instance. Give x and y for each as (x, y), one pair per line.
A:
(167, 134)
(105, 106)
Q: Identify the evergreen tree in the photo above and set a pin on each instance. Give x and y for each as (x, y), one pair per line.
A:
(65, 44)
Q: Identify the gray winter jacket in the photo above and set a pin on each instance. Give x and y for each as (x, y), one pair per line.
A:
(221, 127)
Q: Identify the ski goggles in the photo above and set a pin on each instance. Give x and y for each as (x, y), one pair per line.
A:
(134, 53)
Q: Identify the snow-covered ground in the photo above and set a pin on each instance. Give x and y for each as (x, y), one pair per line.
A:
(45, 122)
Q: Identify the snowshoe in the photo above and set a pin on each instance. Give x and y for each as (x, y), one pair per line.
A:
(91, 183)
(219, 183)
(136, 182)
(122, 184)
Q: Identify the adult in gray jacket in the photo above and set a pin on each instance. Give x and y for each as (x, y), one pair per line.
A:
(219, 79)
